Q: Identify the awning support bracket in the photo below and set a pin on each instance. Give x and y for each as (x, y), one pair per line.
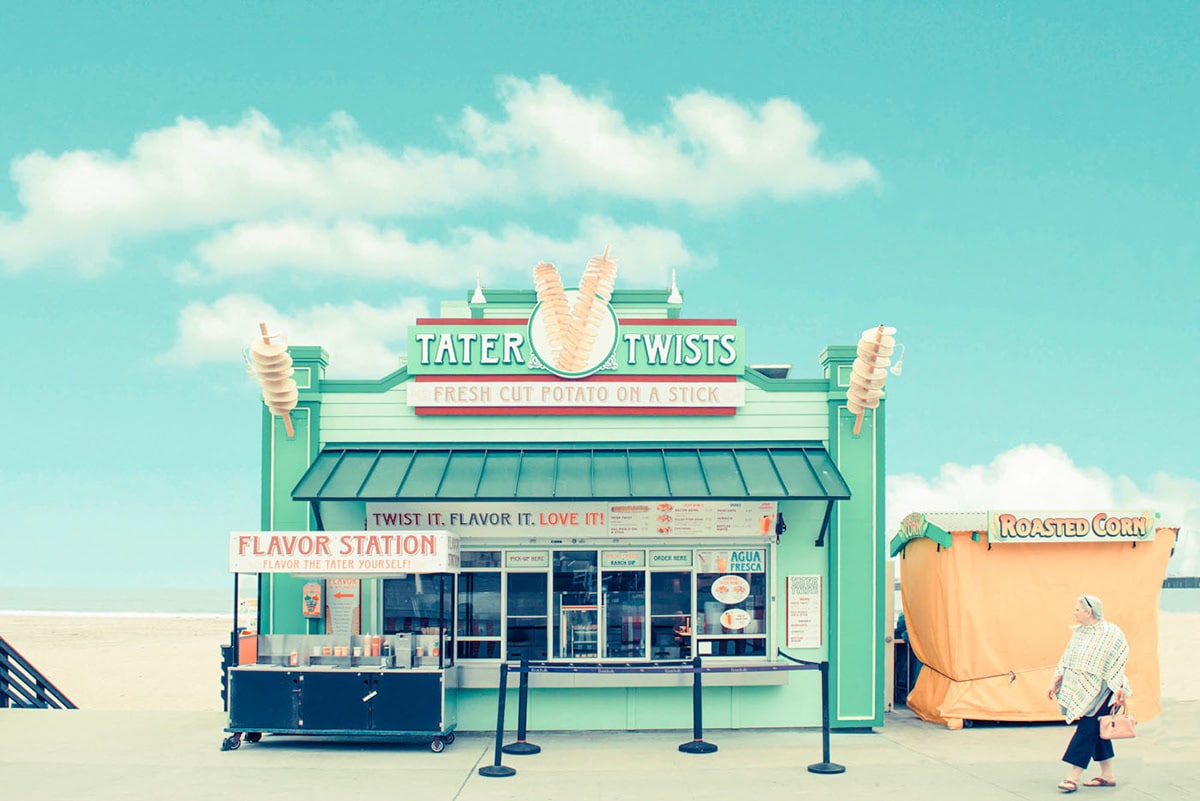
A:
(825, 524)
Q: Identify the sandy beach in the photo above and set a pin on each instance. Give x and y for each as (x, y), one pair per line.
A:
(174, 663)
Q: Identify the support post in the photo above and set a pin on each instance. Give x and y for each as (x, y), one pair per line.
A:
(697, 744)
(496, 769)
(825, 766)
(520, 747)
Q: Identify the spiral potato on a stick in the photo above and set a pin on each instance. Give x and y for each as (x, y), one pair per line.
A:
(273, 365)
(587, 315)
(555, 311)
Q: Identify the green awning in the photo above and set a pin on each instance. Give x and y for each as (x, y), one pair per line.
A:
(565, 472)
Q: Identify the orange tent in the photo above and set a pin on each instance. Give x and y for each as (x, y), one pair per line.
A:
(990, 622)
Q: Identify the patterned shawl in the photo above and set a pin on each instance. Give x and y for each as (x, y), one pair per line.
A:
(1092, 665)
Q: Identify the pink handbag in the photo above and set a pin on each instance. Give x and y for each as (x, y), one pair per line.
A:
(1119, 725)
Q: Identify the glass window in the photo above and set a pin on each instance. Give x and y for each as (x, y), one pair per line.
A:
(479, 615)
(671, 615)
(420, 604)
(624, 614)
(480, 559)
(527, 635)
(731, 614)
(576, 608)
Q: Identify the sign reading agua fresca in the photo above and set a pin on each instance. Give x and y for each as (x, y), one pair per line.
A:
(573, 356)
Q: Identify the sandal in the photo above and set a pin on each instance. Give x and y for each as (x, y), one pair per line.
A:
(1068, 786)
(1100, 781)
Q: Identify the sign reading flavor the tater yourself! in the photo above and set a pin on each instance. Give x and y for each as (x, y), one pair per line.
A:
(1090, 526)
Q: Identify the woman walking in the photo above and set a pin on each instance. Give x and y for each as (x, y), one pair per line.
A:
(1088, 681)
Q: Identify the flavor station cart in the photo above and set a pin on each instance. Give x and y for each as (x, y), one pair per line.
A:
(384, 668)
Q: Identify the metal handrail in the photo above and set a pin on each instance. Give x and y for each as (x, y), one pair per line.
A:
(23, 686)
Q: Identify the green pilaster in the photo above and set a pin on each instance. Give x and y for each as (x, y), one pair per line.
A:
(284, 460)
(856, 555)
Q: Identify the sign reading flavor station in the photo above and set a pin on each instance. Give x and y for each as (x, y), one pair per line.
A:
(650, 497)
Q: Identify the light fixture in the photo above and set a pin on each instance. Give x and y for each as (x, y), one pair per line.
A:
(898, 367)
(674, 297)
(478, 296)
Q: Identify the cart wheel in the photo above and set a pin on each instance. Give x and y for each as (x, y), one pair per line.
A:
(449, 738)
(438, 745)
(232, 743)
(253, 736)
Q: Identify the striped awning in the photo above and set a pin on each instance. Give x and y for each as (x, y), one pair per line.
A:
(707, 471)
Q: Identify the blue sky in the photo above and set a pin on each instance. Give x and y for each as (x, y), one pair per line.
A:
(1013, 188)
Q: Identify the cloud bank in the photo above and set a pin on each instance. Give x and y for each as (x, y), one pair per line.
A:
(242, 186)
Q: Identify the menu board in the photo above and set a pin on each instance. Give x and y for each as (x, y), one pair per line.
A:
(693, 519)
(803, 611)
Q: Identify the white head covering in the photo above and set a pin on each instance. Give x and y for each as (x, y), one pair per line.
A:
(1094, 605)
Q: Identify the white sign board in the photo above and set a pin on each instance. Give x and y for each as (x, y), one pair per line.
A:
(803, 611)
(1090, 526)
(318, 553)
(342, 600)
(665, 519)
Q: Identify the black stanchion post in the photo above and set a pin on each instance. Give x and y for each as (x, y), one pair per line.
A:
(496, 769)
(697, 744)
(520, 747)
(825, 766)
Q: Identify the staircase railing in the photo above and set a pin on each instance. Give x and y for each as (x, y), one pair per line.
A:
(22, 686)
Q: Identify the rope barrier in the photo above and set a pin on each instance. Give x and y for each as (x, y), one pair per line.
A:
(696, 746)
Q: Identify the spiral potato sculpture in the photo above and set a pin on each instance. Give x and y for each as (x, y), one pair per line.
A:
(595, 292)
(554, 307)
(869, 372)
(273, 365)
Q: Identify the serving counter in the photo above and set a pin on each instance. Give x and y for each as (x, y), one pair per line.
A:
(358, 647)
(303, 685)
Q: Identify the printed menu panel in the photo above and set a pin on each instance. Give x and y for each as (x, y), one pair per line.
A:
(804, 611)
(693, 518)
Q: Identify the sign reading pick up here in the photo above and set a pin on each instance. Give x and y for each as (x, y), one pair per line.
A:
(1090, 526)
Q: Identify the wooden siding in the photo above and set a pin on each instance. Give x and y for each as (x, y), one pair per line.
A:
(385, 417)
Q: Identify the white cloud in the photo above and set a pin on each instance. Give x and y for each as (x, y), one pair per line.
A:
(1044, 477)
(363, 249)
(191, 175)
(709, 151)
(552, 141)
(363, 341)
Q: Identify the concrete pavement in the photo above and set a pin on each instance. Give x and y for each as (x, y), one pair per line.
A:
(97, 756)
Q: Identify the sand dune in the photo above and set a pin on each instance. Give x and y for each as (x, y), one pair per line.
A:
(174, 663)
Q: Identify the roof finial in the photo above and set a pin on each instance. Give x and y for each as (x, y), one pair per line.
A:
(675, 297)
(478, 296)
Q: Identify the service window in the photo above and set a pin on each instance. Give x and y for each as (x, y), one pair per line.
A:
(671, 614)
(623, 601)
(731, 594)
(419, 604)
(479, 611)
(527, 635)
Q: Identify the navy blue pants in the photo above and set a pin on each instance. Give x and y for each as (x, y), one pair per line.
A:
(1086, 744)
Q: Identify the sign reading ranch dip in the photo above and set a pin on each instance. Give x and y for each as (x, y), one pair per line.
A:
(334, 552)
(1092, 526)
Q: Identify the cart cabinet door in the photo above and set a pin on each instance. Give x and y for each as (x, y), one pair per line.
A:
(261, 700)
(408, 702)
(335, 700)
